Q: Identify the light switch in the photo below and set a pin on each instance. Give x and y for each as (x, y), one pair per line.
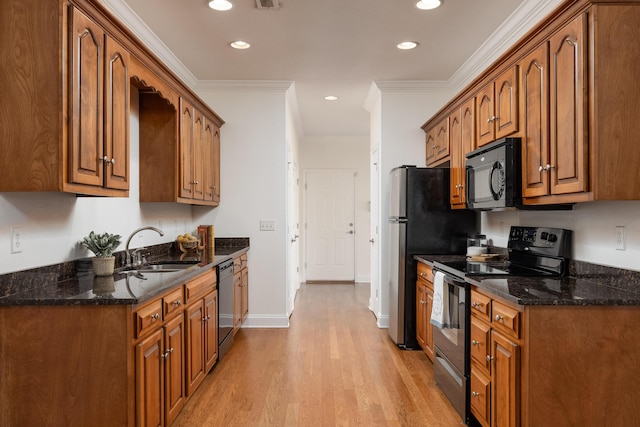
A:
(267, 225)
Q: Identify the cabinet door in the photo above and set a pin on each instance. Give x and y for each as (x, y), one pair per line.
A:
(116, 116)
(468, 143)
(211, 330)
(505, 395)
(174, 368)
(237, 300)
(245, 294)
(480, 400)
(568, 142)
(535, 112)
(198, 156)
(216, 165)
(457, 158)
(431, 146)
(150, 381)
(484, 104)
(506, 103)
(187, 121)
(421, 326)
(208, 167)
(442, 139)
(430, 350)
(86, 144)
(195, 346)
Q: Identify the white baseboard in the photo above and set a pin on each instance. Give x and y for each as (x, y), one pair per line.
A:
(266, 321)
(383, 322)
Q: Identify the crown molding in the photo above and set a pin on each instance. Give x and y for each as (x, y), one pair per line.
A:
(525, 17)
(413, 85)
(245, 85)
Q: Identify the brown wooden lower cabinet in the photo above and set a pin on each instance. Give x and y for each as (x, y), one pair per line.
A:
(240, 291)
(543, 365)
(424, 303)
(107, 365)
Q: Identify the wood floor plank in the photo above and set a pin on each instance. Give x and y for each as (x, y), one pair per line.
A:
(332, 367)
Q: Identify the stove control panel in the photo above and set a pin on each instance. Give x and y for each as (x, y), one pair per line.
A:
(555, 242)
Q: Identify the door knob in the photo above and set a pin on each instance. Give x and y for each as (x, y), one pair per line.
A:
(371, 240)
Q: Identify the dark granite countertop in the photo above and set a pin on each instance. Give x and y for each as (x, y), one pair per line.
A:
(124, 287)
(587, 284)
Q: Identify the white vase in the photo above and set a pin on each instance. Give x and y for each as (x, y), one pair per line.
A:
(103, 265)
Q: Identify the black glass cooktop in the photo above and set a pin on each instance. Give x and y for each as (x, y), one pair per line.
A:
(501, 268)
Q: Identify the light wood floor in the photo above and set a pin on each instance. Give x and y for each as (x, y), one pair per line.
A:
(332, 367)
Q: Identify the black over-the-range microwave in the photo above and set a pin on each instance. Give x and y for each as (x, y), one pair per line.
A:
(494, 176)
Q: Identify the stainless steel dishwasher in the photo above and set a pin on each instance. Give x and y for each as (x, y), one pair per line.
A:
(225, 307)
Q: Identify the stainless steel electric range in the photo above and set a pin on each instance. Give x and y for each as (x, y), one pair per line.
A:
(532, 251)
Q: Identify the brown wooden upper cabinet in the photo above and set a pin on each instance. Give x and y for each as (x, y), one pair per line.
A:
(98, 156)
(555, 163)
(462, 141)
(199, 155)
(437, 141)
(497, 108)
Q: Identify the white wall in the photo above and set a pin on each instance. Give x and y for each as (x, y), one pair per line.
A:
(53, 223)
(403, 109)
(345, 153)
(253, 187)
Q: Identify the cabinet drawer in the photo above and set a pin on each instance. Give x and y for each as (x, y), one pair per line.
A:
(480, 305)
(425, 273)
(173, 302)
(148, 317)
(480, 348)
(200, 285)
(480, 399)
(506, 319)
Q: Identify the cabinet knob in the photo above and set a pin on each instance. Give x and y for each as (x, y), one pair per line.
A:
(499, 318)
(475, 394)
(489, 358)
(546, 168)
(195, 182)
(107, 161)
(474, 342)
(177, 303)
(476, 304)
(154, 316)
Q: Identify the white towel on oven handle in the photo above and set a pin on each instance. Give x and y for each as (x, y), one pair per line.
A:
(440, 308)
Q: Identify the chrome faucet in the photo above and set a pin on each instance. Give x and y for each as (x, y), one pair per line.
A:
(129, 258)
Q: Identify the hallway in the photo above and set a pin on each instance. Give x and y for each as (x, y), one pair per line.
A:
(333, 366)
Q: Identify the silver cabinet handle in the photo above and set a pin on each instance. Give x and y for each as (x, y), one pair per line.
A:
(476, 304)
(475, 394)
(154, 316)
(177, 303)
(499, 318)
(474, 342)
(489, 358)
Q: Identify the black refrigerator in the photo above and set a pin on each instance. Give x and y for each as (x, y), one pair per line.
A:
(421, 222)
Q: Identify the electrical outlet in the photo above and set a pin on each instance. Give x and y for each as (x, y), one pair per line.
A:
(621, 238)
(267, 225)
(16, 240)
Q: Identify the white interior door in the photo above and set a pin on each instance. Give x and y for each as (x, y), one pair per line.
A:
(293, 234)
(374, 299)
(330, 224)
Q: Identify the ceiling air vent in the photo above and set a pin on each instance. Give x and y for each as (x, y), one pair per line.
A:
(268, 4)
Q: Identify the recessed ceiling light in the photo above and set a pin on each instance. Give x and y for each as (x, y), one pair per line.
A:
(220, 4)
(427, 4)
(407, 45)
(331, 98)
(239, 44)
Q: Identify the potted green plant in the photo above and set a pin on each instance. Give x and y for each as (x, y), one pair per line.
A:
(102, 245)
